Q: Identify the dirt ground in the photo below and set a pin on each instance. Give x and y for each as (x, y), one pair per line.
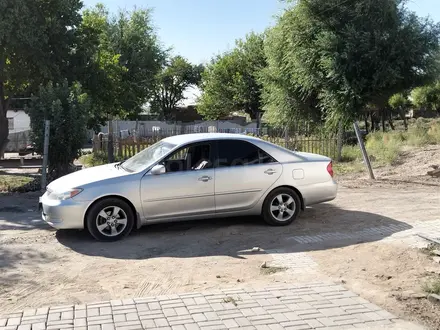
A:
(40, 266)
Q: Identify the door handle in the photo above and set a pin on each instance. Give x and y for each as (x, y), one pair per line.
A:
(270, 171)
(205, 178)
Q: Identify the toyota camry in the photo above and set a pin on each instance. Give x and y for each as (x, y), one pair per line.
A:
(187, 177)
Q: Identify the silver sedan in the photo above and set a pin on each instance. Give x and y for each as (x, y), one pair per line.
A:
(187, 177)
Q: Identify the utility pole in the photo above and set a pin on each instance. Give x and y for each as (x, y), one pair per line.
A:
(364, 151)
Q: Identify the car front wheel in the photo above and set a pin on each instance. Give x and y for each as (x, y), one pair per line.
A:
(281, 207)
(110, 219)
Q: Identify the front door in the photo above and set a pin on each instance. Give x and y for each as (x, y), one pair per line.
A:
(244, 173)
(187, 187)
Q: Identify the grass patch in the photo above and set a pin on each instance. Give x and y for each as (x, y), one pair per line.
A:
(350, 167)
(93, 159)
(385, 148)
(269, 270)
(432, 286)
(18, 183)
(351, 153)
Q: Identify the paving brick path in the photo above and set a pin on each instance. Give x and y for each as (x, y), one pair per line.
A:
(323, 305)
(312, 306)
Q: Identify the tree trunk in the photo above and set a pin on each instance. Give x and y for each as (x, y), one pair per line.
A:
(403, 117)
(390, 119)
(383, 120)
(258, 123)
(4, 132)
(366, 122)
(4, 105)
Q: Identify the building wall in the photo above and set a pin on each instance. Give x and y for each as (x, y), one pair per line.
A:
(21, 121)
(19, 132)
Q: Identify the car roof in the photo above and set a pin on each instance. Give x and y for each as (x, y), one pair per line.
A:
(279, 153)
(196, 137)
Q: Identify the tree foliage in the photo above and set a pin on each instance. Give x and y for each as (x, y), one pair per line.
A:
(398, 101)
(126, 56)
(232, 81)
(427, 97)
(176, 76)
(339, 58)
(67, 108)
(36, 42)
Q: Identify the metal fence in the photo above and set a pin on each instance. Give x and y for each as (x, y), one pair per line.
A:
(306, 137)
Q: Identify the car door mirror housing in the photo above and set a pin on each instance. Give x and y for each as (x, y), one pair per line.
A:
(158, 169)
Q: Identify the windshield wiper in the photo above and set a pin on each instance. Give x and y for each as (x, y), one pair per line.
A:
(119, 165)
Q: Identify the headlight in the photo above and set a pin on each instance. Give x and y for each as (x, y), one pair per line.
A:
(65, 195)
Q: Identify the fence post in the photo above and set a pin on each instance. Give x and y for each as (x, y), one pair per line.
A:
(340, 141)
(45, 155)
(364, 151)
(286, 138)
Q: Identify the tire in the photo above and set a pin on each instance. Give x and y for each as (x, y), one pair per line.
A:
(113, 227)
(282, 214)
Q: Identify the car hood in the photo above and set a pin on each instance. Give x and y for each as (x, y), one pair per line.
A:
(86, 176)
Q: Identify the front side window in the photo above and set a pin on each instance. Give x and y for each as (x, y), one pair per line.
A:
(148, 156)
(241, 153)
(191, 158)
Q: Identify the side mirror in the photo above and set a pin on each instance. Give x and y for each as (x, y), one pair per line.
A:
(158, 169)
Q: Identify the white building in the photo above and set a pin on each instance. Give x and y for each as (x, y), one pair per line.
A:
(18, 121)
(19, 124)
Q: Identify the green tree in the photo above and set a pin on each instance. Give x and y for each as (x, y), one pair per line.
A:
(102, 74)
(345, 56)
(125, 58)
(232, 81)
(175, 77)
(427, 97)
(134, 38)
(36, 41)
(67, 108)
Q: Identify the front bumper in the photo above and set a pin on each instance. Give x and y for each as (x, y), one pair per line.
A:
(67, 214)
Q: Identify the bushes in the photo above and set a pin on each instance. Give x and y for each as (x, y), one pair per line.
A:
(385, 147)
(94, 159)
(351, 153)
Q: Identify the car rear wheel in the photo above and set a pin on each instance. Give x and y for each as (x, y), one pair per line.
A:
(110, 219)
(281, 207)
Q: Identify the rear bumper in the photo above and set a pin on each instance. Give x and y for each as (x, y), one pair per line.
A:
(320, 192)
(67, 214)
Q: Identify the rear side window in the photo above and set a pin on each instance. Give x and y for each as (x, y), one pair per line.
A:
(241, 153)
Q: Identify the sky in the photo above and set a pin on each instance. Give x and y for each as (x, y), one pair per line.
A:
(200, 29)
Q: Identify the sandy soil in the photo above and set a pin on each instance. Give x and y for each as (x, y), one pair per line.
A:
(410, 170)
(39, 266)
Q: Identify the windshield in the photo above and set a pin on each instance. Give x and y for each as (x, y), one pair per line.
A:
(147, 156)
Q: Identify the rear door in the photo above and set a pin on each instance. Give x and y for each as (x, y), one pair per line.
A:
(243, 174)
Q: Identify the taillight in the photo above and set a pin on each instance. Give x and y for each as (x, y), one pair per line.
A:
(330, 169)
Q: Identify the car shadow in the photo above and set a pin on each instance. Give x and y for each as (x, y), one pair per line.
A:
(321, 227)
